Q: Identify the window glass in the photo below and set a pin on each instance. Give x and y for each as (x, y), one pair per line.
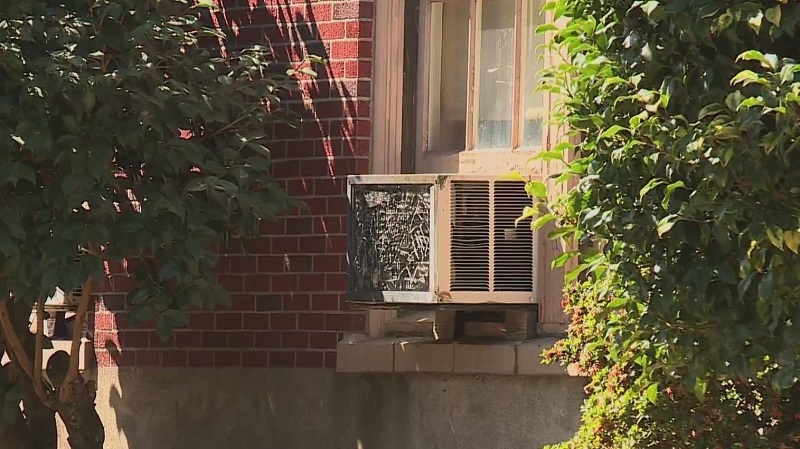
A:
(534, 107)
(495, 74)
(449, 71)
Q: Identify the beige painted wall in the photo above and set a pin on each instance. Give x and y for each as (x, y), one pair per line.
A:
(319, 409)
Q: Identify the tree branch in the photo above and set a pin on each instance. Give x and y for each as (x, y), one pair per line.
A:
(77, 334)
(38, 382)
(15, 348)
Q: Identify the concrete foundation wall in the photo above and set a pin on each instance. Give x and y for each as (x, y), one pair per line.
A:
(297, 408)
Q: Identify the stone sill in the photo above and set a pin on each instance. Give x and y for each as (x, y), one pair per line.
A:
(359, 354)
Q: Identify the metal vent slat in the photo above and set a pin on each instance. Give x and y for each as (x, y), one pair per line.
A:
(469, 236)
(513, 245)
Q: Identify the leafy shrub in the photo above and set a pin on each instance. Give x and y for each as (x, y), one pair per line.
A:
(686, 113)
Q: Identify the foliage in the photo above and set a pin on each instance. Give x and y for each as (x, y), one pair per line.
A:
(126, 137)
(683, 116)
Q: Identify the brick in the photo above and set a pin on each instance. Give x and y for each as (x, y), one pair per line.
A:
(294, 340)
(325, 302)
(282, 359)
(311, 282)
(231, 283)
(310, 359)
(243, 303)
(272, 264)
(311, 321)
(299, 225)
(296, 302)
(241, 340)
(191, 339)
(226, 321)
(330, 359)
(257, 283)
(269, 303)
(104, 321)
(256, 321)
(113, 303)
(328, 263)
(255, 359)
(174, 359)
(155, 341)
(336, 282)
(201, 321)
(283, 321)
(215, 339)
(284, 283)
(107, 338)
(323, 340)
(243, 264)
(267, 340)
(299, 263)
(131, 339)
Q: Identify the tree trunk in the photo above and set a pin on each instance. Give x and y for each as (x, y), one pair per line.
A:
(41, 421)
(14, 434)
(77, 409)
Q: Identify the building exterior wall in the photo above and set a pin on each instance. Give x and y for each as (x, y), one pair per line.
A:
(295, 408)
(260, 373)
(288, 307)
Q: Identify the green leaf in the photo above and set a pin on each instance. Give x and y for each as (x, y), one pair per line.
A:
(668, 192)
(792, 240)
(773, 15)
(768, 61)
(536, 189)
(665, 224)
(746, 77)
(700, 387)
(617, 303)
(775, 236)
(611, 132)
(540, 222)
(652, 184)
(652, 393)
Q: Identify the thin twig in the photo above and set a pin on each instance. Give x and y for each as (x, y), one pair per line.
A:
(38, 382)
(16, 350)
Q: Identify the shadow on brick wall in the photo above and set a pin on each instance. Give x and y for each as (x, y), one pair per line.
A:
(288, 292)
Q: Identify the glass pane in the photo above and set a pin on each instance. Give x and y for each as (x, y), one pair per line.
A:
(495, 74)
(534, 108)
(447, 115)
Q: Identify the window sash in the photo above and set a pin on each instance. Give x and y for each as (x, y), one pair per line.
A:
(521, 28)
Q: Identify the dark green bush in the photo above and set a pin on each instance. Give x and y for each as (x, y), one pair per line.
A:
(689, 184)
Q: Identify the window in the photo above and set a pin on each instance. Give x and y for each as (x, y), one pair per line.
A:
(454, 88)
(479, 62)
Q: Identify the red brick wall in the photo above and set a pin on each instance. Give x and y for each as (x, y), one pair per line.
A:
(288, 294)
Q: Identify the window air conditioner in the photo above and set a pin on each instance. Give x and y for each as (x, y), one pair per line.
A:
(440, 239)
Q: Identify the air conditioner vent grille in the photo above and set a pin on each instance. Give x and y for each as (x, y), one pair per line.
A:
(469, 236)
(513, 245)
(390, 238)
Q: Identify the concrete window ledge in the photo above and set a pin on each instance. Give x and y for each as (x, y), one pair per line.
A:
(360, 354)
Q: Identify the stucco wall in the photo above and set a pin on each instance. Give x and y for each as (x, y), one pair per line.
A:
(296, 408)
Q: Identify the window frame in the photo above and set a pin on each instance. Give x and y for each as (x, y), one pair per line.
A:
(423, 99)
